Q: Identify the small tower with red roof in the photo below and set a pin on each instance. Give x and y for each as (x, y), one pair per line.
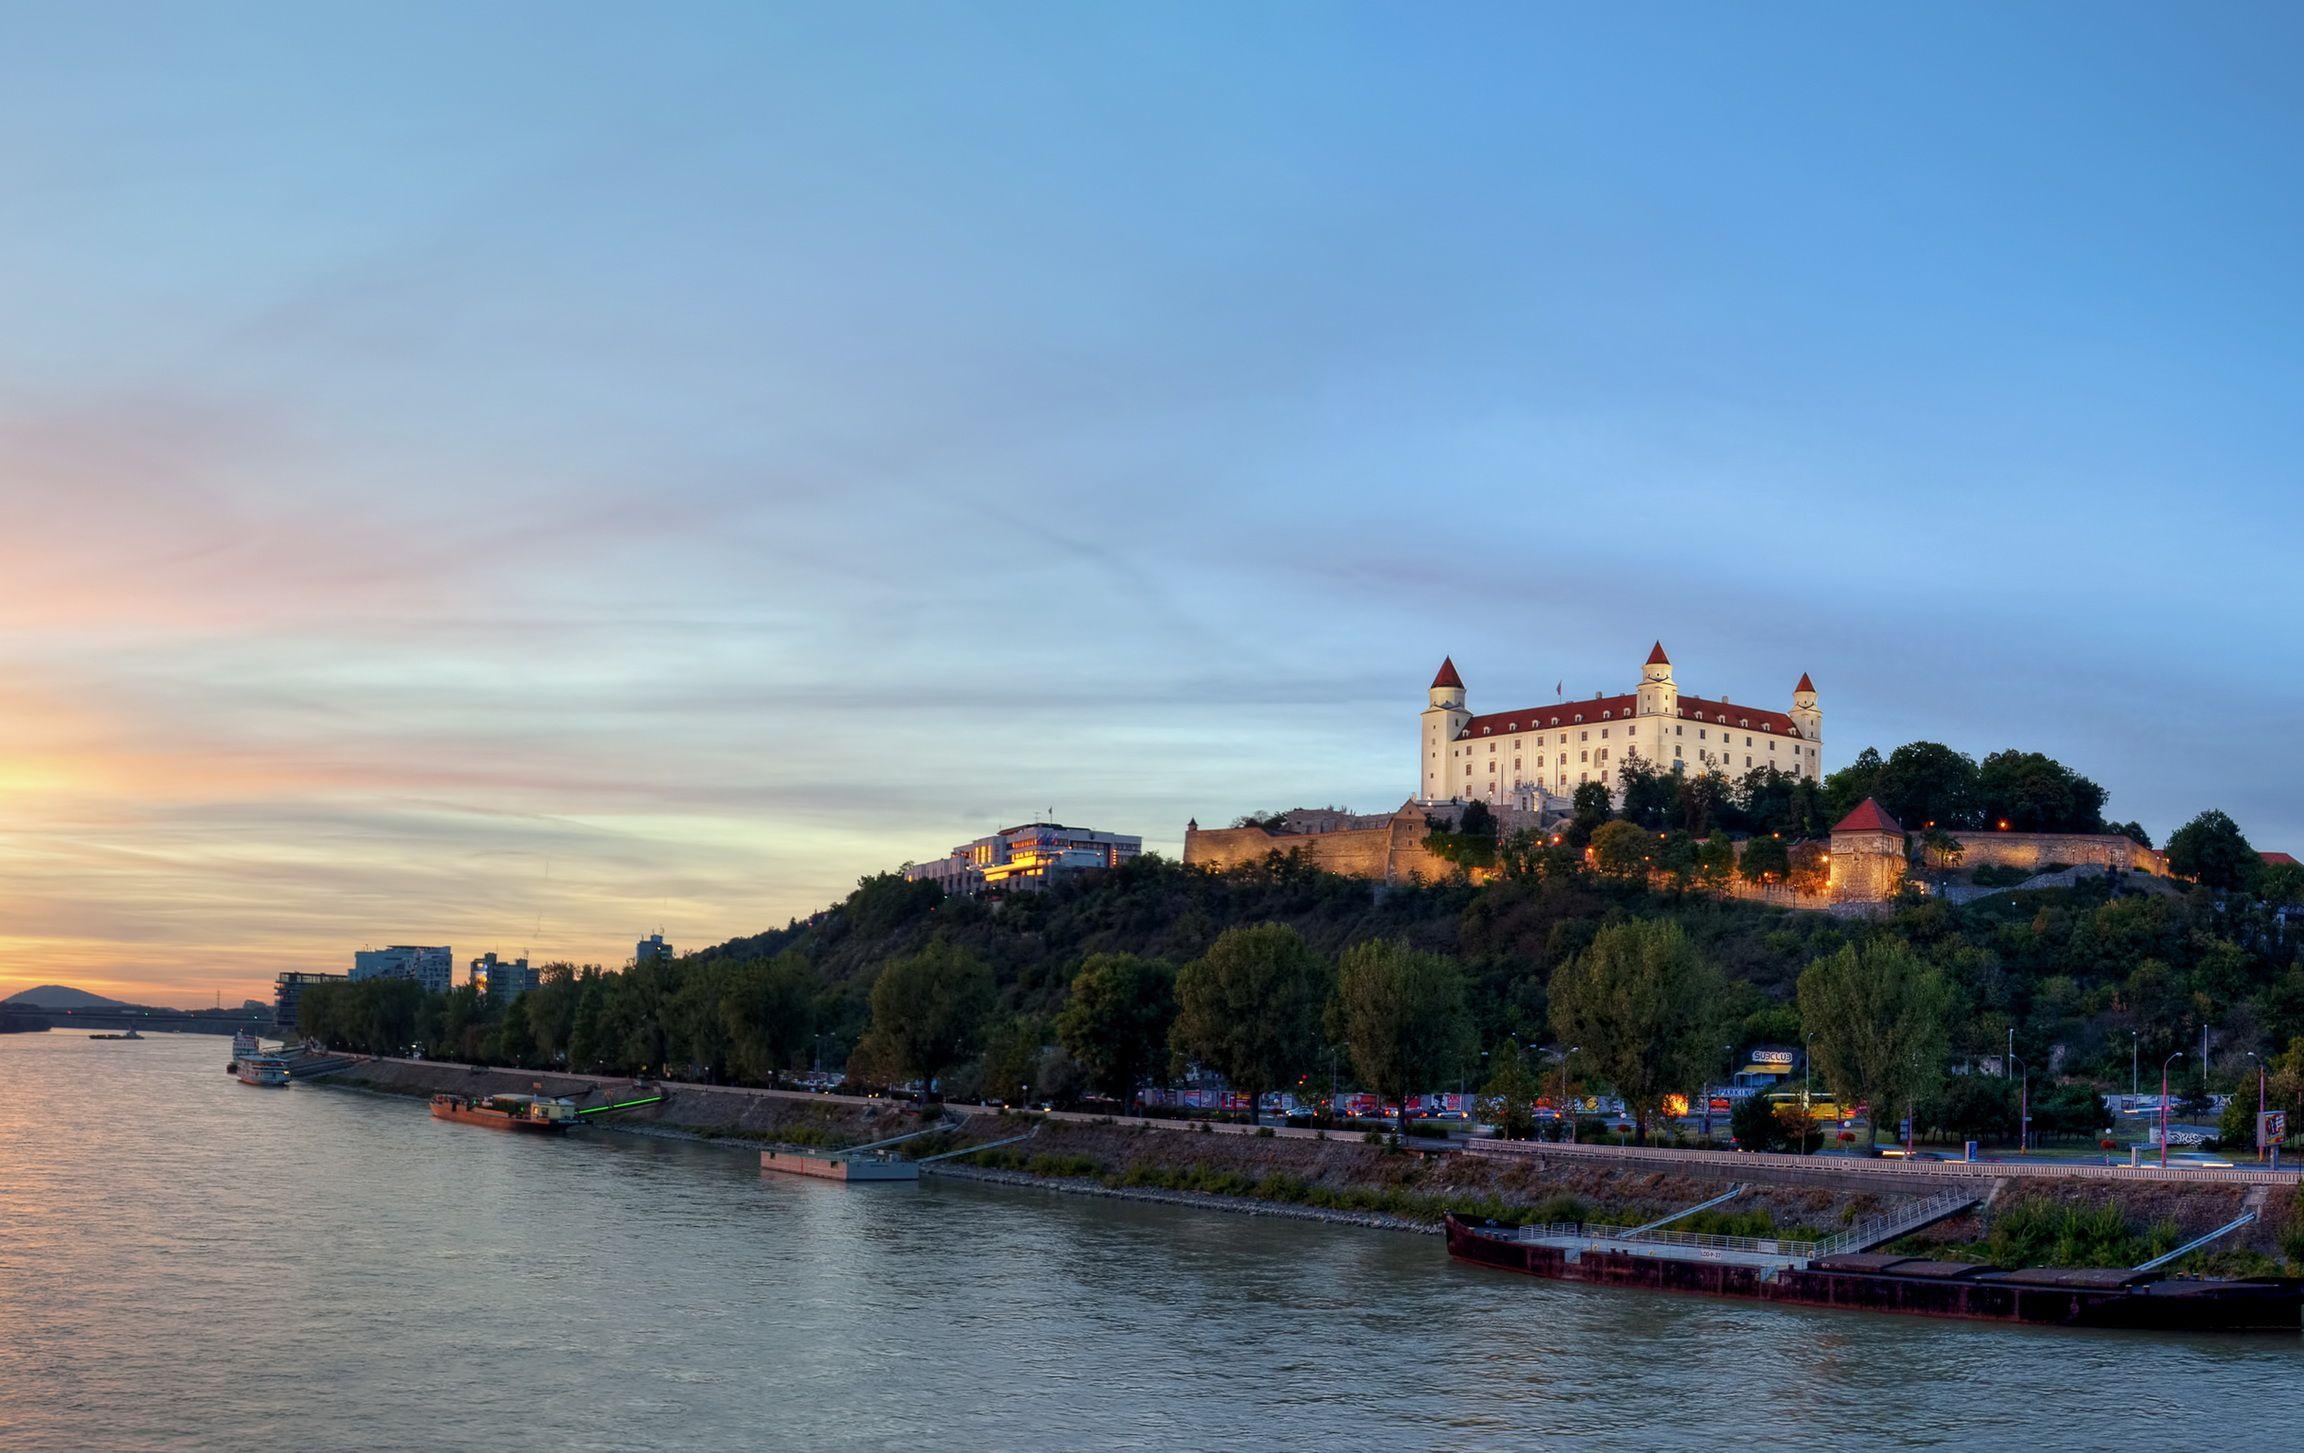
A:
(1805, 717)
(1444, 719)
(1867, 855)
(1658, 694)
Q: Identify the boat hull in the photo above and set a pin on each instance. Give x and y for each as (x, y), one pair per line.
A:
(495, 1119)
(2146, 1302)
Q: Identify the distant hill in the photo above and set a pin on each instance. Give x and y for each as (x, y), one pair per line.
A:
(57, 996)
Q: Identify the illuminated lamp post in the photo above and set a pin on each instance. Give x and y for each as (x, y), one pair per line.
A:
(2164, 1064)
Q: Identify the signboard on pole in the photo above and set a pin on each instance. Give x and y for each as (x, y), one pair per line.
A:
(2271, 1128)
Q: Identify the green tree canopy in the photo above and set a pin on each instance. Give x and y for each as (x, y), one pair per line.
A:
(1115, 1024)
(928, 1010)
(1879, 1016)
(1846, 789)
(2210, 850)
(1764, 860)
(1638, 1003)
(2035, 793)
(1622, 850)
(1403, 1018)
(768, 1011)
(1249, 1008)
(1928, 782)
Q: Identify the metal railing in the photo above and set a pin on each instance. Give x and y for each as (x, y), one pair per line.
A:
(1888, 1225)
(1738, 1162)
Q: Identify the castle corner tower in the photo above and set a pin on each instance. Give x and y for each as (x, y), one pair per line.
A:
(1658, 694)
(1805, 716)
(1444, 719)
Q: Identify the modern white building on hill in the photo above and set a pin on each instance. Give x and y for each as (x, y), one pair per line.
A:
(1025, 857)
(1537, 756)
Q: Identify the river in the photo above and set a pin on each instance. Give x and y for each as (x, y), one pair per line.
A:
(189, 1263)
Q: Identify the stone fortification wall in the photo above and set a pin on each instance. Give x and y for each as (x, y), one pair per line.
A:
(2036, 850)
(1390, 852)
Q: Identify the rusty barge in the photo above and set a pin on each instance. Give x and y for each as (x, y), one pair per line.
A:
(1791, 1273)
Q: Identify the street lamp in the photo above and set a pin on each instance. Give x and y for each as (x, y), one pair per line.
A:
(2134, 1086)
(2259, 1105)
(2023, 1107)
(1567, 1119)
(2164, 1105)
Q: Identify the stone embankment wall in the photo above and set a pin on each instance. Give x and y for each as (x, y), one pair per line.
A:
(767, 1117)
(1392, 852)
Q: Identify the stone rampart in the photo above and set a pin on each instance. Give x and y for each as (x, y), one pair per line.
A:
(1392, 852)
(2037, 850)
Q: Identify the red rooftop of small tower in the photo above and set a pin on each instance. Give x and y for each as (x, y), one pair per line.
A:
(1869, 816)
(1805, 685)
(1657, 656)
(1448, 676)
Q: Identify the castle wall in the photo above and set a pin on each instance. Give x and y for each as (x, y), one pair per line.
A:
(2036, 850)
(1390, 852)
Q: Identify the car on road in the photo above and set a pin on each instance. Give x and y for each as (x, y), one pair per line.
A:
(2195, 1160)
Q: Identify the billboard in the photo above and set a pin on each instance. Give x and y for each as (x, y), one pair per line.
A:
(2271, 1128)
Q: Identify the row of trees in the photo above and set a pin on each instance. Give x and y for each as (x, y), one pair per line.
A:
(1927, 784)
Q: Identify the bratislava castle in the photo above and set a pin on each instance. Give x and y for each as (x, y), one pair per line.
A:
(1537, 756)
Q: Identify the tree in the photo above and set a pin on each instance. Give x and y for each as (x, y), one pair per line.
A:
(1705, 802)
(1012, 1060)
(1879, 1016)
(1477, 821)
(1621, 850)
(1928, 782)
(1716, 862)
(768, 1009)
(1116, 1023)
(2210, 850)
(1638, 1004)
(1508, 1100)
(1846, 789)
(1764, 860)
(928, 1009)
(1650, 793)
(1249, 1008)
(1403, 1018)
(1591, 809)
(1759, 1123)
(2035, 793)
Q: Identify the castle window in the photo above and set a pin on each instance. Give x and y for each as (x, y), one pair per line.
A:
(1583, 756)
(1510, 725)
(1675, 756)
(1579, 716)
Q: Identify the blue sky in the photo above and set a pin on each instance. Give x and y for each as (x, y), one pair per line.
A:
(525, 476)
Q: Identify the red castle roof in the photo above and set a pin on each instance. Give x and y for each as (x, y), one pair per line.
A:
(1657, 656)
(1448, 676)
(1805, 685)
(1869, 816)
(2277, 860)
(1564, 714)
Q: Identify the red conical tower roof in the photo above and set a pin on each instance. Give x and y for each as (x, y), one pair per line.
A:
(1448, 676)
(1805, 685)
(1657, 656)
(1869, 816)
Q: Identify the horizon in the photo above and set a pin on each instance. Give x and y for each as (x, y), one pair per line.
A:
(534, 489)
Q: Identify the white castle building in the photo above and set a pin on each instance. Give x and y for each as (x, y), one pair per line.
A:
(1535, 758)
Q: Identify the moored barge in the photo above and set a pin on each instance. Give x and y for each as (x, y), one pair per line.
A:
(506, 1112)
(1879, 1282)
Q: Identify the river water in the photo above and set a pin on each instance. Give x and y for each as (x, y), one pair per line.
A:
(186, 1262)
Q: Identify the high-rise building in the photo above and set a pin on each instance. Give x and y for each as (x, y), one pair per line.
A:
(287, 989)
(651, 949)
(503, 979)
(433, 967)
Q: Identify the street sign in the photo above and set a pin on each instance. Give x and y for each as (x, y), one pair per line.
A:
(2271, 1128)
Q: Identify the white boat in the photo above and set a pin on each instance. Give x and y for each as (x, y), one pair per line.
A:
(268, 1070)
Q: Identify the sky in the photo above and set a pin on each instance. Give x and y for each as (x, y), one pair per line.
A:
(526, 476)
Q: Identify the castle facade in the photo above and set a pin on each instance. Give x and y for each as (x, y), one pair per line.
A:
(1535, 758)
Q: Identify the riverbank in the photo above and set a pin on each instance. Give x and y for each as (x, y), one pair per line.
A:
(1345, 1179)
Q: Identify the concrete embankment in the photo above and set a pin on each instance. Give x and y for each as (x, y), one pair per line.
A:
(756, 1117)
(1344, 1179)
